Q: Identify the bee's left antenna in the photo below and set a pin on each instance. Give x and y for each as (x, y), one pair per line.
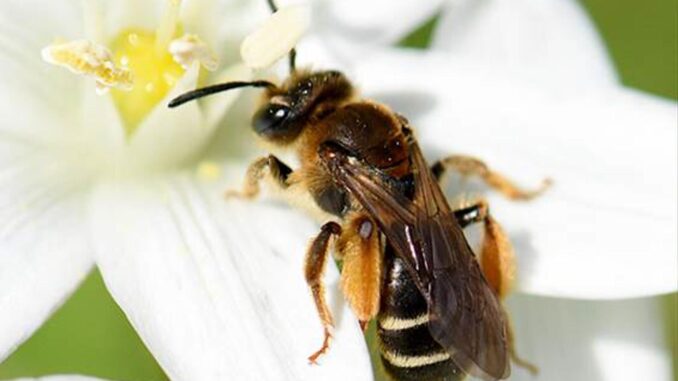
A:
(293, 52)
(209, 90)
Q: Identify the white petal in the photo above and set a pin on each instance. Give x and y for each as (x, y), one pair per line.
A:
(217, 106)
(59, 16)
(544, 42)
(201, 17)
(243, 18)
(44, 104)
(37, 100)
(61, 377)
(275, 38)
(607, 227)
(44, 250)
(123, 14)
(587, 340)
(371, 22)
(167, 136)
(216, 288)
(44, 253)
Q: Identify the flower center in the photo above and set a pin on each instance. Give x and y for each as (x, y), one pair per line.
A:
(155, 73)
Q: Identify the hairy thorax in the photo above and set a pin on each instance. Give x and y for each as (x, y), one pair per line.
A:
(369, 131)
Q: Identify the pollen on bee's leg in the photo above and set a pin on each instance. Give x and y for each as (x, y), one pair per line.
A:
(497, 259)
(89, 59)
(190, 48)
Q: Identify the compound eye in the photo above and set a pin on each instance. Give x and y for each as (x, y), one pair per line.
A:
(270, 120)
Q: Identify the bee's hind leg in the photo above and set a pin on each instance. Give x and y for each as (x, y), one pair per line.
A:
(278, 170)
(497, 262)
(496, 256)
(360, 250)
(468, 166)
(316, 258)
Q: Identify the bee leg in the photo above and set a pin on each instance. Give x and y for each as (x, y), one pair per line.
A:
(497, 262)
(278, 170)
(496, 256)
(359, 247)
(530, 367)
(314, 267)
(471, 214)
(467, 166)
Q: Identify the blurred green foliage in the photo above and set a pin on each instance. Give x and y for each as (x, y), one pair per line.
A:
(90, 335)
(87, 335)
(642, 39)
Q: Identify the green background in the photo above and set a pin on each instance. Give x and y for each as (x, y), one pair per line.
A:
(90, 335)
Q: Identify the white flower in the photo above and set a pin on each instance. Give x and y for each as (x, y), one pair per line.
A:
(215, 289)
(121, 181)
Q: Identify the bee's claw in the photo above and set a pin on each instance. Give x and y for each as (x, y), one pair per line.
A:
(313, 359)
(363, 325)
(236, 194)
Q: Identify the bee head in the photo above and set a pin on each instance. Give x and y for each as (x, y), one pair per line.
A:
(305, 97)
(286, 110)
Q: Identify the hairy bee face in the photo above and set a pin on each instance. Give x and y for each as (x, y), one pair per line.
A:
(303, 97)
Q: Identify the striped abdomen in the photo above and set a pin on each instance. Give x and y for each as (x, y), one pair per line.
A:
(408, 352)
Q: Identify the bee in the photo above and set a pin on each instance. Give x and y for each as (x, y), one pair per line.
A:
(405, 260)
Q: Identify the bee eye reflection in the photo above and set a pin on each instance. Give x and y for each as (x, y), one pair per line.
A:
(270, 120)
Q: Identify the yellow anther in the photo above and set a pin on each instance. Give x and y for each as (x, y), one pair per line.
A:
(90, 59)
(190, 48)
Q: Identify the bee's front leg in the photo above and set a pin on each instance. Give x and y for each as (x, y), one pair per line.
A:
(316, 258)
(469, 166)
(278, 170)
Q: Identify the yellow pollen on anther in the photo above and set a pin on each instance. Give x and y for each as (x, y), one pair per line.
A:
(90, 59)
(190, 48)
(155, 74)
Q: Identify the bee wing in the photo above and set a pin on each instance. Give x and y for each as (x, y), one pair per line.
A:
(465, 315)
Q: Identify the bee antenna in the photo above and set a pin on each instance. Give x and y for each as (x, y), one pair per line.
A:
(209, 90)
(271, 4)
(293, 52)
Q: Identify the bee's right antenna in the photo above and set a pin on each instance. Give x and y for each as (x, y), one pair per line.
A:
(293, 52)
(214, 89)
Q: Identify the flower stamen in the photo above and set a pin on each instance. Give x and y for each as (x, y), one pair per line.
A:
(190, 48)
(92, 60)
(168, 25)
(275, 37)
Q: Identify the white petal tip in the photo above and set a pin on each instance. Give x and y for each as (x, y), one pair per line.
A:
(276, 37)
